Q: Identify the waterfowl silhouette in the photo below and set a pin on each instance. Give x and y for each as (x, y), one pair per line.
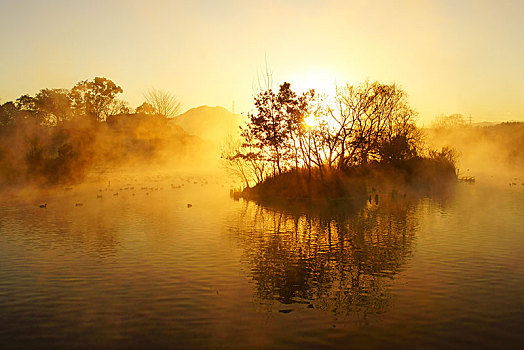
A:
(43, 205)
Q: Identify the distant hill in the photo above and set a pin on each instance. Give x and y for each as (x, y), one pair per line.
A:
(212, 124)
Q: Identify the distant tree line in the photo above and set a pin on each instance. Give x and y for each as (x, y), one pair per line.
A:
(449, 122)
(93, 100)
(367, 123)
(58, 135)
(486, 147)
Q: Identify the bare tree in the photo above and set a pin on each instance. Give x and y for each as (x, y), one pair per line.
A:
(164, 102)
(239, 160)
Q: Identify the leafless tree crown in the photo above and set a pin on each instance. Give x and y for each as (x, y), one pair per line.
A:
(164, 102)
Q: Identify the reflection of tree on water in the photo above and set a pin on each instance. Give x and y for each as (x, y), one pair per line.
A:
(342, 263)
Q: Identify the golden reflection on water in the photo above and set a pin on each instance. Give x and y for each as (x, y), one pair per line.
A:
(342, 263)
(142, 265)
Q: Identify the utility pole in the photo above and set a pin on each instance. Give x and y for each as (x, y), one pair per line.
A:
(470, 119)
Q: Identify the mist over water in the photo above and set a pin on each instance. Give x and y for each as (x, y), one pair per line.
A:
(491, 153)
(137, 267)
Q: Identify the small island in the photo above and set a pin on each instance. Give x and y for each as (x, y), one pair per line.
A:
(353, 146)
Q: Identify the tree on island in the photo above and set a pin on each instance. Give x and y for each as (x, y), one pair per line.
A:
(371, 122)
(371, 118)
(269, 129)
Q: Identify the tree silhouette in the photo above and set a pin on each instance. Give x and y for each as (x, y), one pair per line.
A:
(26, 106)
(163, 102)
(93, 98)
(53, 105)
(367, 122)
(146, 108)
(8, 113)
(274, 128)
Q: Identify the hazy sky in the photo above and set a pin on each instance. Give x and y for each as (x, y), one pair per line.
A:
(450, 56)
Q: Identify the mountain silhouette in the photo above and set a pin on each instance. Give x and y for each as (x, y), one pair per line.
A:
(212, 124)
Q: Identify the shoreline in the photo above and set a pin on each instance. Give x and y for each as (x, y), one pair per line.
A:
(351, 188)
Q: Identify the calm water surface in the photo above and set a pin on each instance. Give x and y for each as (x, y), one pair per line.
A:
(141, 269)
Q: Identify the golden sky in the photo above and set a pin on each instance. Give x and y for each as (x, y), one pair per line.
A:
(450, 56)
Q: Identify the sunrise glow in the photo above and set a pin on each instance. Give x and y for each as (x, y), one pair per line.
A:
(261, 174)
(450, 57)
(310, 121)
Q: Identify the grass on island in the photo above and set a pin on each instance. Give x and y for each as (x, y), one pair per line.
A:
(352, 187)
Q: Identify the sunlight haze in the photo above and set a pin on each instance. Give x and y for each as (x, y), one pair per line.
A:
(290, 174)
(450, 57)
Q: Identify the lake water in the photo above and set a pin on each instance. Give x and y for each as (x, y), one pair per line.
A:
(142, 270)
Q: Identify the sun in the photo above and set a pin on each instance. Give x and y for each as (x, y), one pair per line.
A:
(310, 121)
